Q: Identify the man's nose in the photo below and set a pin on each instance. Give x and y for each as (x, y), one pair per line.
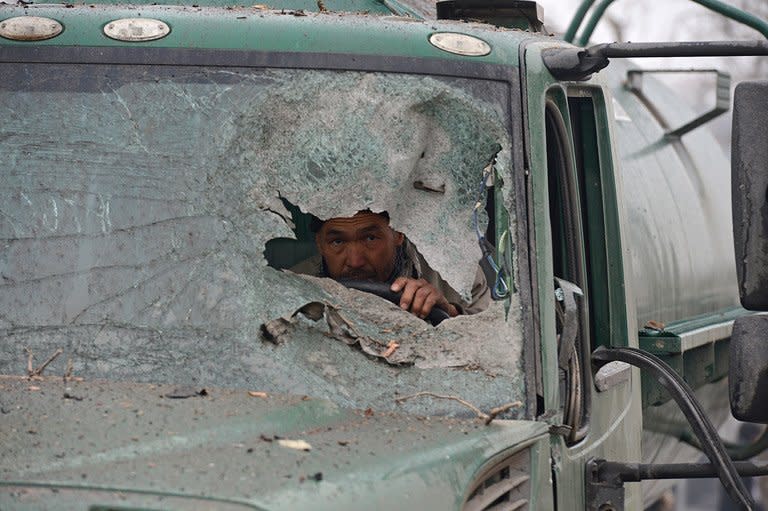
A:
(355, 255)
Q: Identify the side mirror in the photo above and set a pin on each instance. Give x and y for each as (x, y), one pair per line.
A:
(748, 375)
(749, 184)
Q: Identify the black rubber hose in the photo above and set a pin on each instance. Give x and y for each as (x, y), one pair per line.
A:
(683, 395)
(736, 451)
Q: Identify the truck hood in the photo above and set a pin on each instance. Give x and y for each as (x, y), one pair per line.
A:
(88, 444)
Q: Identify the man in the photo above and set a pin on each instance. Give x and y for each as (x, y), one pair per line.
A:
(365, 247)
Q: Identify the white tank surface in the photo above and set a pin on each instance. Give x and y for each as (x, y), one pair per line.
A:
(677, 196)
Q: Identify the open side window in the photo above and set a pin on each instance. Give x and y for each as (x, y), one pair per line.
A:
(571, 286)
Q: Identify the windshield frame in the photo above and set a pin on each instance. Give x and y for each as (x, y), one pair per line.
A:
(460, 68)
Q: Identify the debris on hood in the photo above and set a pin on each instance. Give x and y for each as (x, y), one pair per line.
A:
(391, 347)
(487, 418)
(186, 392)
(38, 372)
(299, 445)
(69, 395)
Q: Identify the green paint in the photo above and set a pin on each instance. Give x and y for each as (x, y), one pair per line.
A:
(590, 182)
(705, 320)
(369, 7)
(578, 17)
(698, 365)
(594, 19)
(612, 262)
(716, 6)
(236, 457)
(736, 14)
(249, 28)
(232, 144)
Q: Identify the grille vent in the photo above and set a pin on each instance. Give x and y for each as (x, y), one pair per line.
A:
(503, 487)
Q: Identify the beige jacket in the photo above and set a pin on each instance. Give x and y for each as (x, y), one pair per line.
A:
(414, 266)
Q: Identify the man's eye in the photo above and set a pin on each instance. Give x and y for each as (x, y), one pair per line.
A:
(371, 237)
(335, 243)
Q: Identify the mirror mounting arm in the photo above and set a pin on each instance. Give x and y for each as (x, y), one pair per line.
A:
(573, 63)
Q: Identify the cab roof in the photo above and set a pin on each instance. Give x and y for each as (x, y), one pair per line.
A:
(371, 7)
(347, 27)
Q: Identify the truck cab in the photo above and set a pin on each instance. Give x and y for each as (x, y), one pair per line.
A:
(166, 167)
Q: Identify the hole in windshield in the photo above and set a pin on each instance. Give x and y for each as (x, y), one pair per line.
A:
(364, 252)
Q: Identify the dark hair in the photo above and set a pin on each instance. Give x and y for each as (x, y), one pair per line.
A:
(315, 224)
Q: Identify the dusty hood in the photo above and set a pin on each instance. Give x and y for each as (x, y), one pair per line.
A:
(102, 443)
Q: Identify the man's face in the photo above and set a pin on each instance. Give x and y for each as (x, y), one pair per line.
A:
(362, 247)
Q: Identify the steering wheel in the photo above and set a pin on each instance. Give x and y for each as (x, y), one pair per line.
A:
(381, 289)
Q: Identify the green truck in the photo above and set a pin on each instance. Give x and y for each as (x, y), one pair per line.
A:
(164, 166)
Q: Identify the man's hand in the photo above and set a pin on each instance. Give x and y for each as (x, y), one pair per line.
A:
(419, 297)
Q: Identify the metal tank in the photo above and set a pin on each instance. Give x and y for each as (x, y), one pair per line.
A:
(677, 197)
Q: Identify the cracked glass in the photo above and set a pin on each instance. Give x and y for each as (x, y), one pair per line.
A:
(147, 213)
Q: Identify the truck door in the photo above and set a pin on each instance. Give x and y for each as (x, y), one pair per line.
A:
(580, 273)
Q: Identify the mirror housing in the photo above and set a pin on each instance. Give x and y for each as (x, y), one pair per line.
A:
(748, 374)
(749, 184)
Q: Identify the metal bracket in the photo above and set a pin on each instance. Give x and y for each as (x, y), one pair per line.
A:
(602, 493)
(571, 63)
(605, 479)
(566, 293)
(722, 97)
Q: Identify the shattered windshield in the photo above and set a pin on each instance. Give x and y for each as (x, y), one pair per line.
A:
(150, 218)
